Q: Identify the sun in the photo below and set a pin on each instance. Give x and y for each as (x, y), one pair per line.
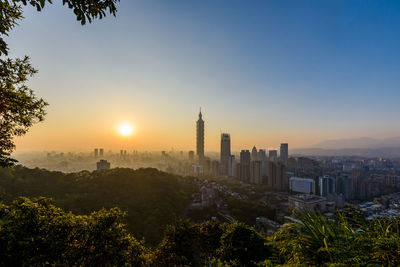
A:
(125, 129)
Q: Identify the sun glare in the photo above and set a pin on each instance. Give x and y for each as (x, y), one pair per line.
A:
(125, 129)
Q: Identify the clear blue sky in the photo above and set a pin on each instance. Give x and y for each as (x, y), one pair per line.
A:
(264, 71)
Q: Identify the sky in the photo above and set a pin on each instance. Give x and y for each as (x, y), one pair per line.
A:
(264, 71)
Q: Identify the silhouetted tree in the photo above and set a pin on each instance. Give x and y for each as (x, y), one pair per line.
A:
(19, 106)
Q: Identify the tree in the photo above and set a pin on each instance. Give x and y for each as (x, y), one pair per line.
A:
(180, 246)
(19, 106)
(36, 233)
(242, 245)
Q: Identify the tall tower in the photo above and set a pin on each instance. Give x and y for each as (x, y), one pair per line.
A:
(225, 153)
(200, 138)
(284, 154)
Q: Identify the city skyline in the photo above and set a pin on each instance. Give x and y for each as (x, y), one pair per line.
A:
(324, 71)
(201, 150)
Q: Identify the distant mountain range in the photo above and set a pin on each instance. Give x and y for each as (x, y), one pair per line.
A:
(364, 147)
(363, 142)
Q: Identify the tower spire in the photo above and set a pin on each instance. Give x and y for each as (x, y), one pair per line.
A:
(200, 138)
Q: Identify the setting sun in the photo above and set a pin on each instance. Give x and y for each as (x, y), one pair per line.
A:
(125, 129)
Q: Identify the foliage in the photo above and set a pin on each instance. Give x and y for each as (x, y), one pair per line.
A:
(317, 241)
(248, 210)
(243, 245)
(152, 199)
(187, 244)
(36, 233)
(179, 247)
(19, 106)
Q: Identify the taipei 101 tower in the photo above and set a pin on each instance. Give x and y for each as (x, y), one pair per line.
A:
(200, 138)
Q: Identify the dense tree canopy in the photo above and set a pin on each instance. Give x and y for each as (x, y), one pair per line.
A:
(20, 108)
(36, 233)
(152, 199)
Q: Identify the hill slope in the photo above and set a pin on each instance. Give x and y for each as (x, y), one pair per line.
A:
(151, 198)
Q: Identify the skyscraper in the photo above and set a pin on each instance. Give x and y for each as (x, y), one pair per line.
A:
(262, 156)
(200, 138)
(327, 185)
(225, 153)
(101, 150)
(254, 155)
(255, 172)
(96, 152)
(245, 165)
(273, 155)
(191, 156)
(284, 153)
(232, 166)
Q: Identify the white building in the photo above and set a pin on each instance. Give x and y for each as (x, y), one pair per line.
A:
(301, 185)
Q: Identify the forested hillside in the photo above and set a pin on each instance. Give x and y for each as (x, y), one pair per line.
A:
(152, 199)
(147, 203)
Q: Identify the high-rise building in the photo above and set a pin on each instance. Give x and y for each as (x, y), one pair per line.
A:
(282, 182)
(273, 155)
(225, 153)
(191, 156)
(96, 152)
(326, 185)
(277, 178)
(271, 182)
(255, 172)
(284, 153)
(101, 152)
(238, 171)
(207, 165)
(232, 166)
(262, 156)
(215, 168)
(245, 165)
(254, 154)
(103, 165)
(200, 138)
(345, 186)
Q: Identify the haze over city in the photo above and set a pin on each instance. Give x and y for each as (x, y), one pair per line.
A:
(270, 72)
